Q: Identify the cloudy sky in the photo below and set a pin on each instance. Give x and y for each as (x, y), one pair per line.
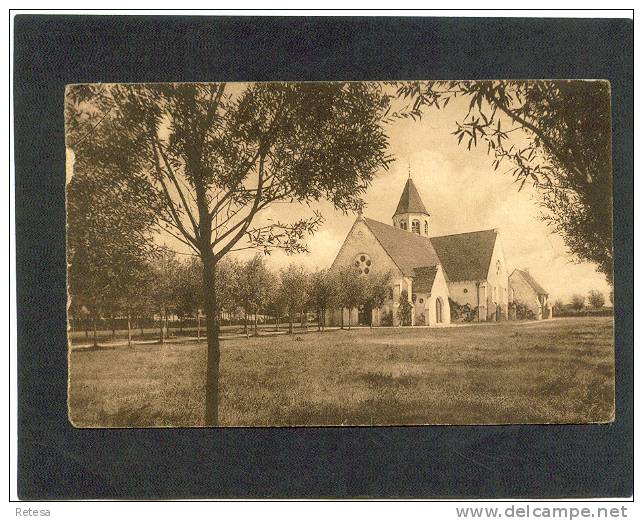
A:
(462, 193)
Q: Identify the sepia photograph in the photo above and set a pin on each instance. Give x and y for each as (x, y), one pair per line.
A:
(369, 253)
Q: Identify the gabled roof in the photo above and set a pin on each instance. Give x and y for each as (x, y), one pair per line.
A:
(407, 250)
(532, 282)
(423, 279)
(410, 200)
(466, 256)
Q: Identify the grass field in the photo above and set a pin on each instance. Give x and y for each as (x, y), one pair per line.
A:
(557, 371)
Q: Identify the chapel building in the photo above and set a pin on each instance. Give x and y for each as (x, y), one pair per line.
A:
(468, 268)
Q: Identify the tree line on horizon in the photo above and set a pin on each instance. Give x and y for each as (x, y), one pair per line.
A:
(595, 299)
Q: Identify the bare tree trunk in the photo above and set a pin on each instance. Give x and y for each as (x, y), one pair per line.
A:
(95, 332)
(198, 326)
(290, 319)
(212, 333)
(342, 317)
(140, 325)
(161, 335)
(349, 317)
(256, 329)
(245, 323)
(129, 329)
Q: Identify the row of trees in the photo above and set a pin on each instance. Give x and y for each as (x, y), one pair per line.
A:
(595, 299)
(253, 289)
(167, 286)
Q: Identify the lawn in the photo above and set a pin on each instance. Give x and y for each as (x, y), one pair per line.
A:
(557, 371)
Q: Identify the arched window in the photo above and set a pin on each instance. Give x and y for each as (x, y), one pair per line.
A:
(426, 227)
(438, 310)
(403, 225)
(415, 226)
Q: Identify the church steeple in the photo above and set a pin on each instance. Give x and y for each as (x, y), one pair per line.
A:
(411, 214)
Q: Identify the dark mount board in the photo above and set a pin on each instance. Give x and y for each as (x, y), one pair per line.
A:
(56, 461)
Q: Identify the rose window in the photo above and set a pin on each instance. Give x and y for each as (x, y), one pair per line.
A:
(362, 264)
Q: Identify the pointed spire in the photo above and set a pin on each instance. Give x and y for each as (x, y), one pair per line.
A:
(410, 200)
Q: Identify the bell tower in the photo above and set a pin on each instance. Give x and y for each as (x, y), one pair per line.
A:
(411, 214)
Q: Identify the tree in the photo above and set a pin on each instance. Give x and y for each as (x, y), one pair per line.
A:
(187, 290)
(215, 156)
(350, 290)
(558, 306)
(577, 302)
(252, 288)
(140, 298)
(131, 288)
(376, 291)
(227, 274)
(553, 134)
(276, 304)
(165, 270)
(405, 309)
(596, 299)
(322, 294)
(109, 242)
(294, 286)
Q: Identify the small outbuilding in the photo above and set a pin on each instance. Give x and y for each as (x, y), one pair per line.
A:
(523, 289)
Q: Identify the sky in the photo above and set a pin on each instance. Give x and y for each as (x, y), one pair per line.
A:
(462, 193)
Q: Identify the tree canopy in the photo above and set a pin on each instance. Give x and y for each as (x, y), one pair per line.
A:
(203, 153)
(109, 243)
(554, 134)
(596, 299)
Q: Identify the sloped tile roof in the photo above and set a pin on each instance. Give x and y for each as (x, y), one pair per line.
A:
(423, 279)
(532, 282)
(408, 250)
(466, 256)
(410, 200)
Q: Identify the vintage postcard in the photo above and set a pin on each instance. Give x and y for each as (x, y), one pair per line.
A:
(339, 253)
